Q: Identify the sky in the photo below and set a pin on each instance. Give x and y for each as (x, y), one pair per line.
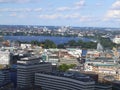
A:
(82, 13)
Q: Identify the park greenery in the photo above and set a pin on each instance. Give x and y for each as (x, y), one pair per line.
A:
(105, 42)
(82, 44)
(65, 67)
(45, 44)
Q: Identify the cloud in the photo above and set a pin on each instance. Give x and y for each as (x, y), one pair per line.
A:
(63, 8)
(22, 15)
(85, 19)
(75, 6)
(18, 1)
(51, 16)
(114, 12)
(75, 16)
(99, 4)
(37, 9)
(20, 10)
(80, 4)
(15, 9)
(116, 5)
(18, 15)
(13, 14)
(71, 16)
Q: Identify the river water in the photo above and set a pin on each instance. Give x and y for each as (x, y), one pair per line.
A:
(55, 39)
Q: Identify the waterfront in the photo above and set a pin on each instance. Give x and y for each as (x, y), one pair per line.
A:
(55, 39)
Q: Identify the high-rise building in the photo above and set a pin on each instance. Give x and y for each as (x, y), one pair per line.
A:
(26, 69)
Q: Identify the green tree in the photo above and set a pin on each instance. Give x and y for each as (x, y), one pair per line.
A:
(49, 44)
(35, 42)
(60, 46)
(72, 43)
(107, 43)
(72, 65)
(65, 67)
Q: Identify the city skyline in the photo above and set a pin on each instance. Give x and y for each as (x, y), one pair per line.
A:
(82, 13)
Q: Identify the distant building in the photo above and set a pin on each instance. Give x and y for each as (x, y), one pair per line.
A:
(76, 52)
(92, 54)
(116, 39)
(106, 68)
(80, 35)
(53, 58)
(5, 57)
(6, 43)
(24, 46)
(69, 61)
(51, 55)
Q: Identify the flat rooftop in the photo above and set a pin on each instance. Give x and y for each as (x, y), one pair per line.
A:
(71, 75)
(30, 58)
(22, 64)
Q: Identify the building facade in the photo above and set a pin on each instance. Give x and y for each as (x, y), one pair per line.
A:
(4, 77)
(26, 69)
(58, 82)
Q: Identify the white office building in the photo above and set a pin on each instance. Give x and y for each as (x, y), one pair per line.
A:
(5, 57)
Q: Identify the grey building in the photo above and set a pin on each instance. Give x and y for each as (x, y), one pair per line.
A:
(66, 81)
(100, 86)
(4, 75)
(26, 69)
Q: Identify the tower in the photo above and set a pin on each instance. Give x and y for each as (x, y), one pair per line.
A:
(99, 47)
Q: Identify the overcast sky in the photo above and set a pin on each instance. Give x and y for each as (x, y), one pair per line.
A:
(96, 13)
